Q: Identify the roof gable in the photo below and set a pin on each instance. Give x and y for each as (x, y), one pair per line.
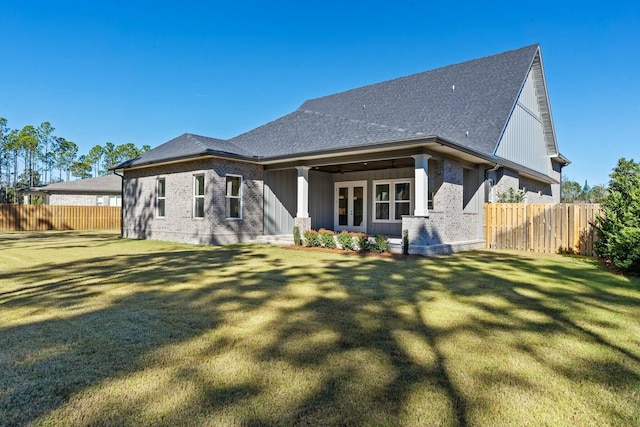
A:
(529, 138)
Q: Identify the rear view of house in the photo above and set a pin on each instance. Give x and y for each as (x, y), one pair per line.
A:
(421, 153)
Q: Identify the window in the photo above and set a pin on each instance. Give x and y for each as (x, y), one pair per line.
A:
(198, 196)
(392, 199)
(115, 201)
(160, 197)
(234, 197)
(382, 202)
(99, 201)
(402, 200)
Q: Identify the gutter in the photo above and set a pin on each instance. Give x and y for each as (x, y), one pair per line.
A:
(115, 172)
(187, 158)
(562, 159)
(382, 146)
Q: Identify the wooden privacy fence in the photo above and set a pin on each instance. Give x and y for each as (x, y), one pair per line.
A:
(558, 228)
(47, 217)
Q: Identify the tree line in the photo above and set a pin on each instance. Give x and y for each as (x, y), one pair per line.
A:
(574, 192)
(34, 156)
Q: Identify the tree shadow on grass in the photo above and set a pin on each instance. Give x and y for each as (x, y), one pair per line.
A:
(249, 335)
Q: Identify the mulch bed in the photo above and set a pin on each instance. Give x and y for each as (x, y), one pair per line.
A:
(356, 253)
(609, 265)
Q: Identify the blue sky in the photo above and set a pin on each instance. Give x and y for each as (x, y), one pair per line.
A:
(145, 72)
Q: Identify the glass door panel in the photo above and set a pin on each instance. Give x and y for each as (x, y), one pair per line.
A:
(351, 206)
(343, 201)
(358, 206)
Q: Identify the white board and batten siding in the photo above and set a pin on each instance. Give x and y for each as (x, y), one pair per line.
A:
(280, 201)
(524, 139)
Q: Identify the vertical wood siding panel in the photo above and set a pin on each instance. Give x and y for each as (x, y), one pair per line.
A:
(524, 140)
(279, 201)
(321, 200)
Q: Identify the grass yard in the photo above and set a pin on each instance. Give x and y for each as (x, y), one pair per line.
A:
(96, 330)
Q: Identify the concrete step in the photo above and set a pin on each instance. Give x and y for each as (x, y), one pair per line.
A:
(395, 245)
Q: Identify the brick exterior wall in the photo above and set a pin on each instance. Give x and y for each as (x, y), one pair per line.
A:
(447, 223)
(178, 225)
(535, 191)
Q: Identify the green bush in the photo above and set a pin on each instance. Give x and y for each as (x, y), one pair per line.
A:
(345, 240)
(381, 244)
(326, 238)
(312, 238)
(511, 196)
(364, 244)
(297, 240)
(619, 225)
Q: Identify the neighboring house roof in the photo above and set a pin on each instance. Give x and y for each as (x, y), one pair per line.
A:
(465, 106)
(108, 184)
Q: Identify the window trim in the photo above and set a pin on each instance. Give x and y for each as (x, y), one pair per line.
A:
(227, 196)
(392, 198)
(198, 196)
(163, 198)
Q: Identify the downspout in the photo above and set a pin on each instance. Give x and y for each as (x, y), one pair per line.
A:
(121, 203)
(486, 177)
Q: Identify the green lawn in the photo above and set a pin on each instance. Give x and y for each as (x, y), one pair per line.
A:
(96, 330)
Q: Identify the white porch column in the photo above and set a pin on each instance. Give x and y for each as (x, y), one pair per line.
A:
(422, 184)
(303, 191)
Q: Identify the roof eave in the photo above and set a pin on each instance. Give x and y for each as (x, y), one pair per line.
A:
(181, 159)
(525, 171)
(377, 147)
(561, 159)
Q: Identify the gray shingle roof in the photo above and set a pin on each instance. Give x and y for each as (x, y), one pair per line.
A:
(103, 184)
(476, 96)
(468, 104)
(186, 145)
(309, 131)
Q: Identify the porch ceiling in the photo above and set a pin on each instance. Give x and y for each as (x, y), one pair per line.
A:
(403, 162)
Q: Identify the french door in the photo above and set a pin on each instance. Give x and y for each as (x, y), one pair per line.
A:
(351, 206)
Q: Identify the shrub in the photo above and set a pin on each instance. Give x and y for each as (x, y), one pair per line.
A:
(405, 242)
(364, 244)
(297, 240)
(326, 238)
(312, 238)
(345, 239)
(381, 244)
(619, 225)
(511, 196)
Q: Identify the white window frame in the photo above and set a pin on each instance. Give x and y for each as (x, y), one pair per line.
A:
(117, 201)
(159, 198)
(228, 197)
(392, 198)
(197, 197)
